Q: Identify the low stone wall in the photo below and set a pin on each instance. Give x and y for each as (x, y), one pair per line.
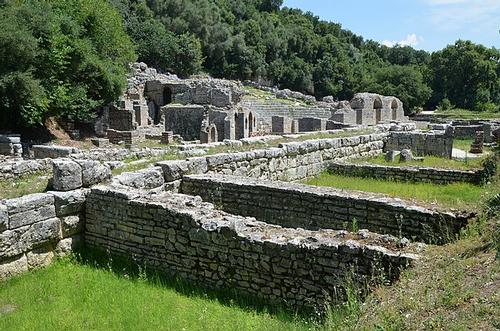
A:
(37, 227)
(433, 143)
(52, 151)
(291, 161)
(16, 168)
(407, 174)
(183, 237)
(10, 145)
(312, 207)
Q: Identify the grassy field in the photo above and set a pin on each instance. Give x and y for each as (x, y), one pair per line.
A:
(13, 188)
(69, 295)
(467, 114)
(457, 195)
(429, 161)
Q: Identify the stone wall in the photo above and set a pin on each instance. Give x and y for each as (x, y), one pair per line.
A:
(10, 145)
(184, 120)
(37, 227)
(410, 174)
(186, 238)
(125, 137)
(310, 207)
(291, 161)
(433, 143)
(52, 151)
(18, 168)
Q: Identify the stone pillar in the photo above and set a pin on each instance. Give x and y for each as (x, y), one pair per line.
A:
(478, 144)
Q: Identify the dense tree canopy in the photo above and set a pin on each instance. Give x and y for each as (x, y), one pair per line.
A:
(59, 57)
(65, 57)
(467, 75)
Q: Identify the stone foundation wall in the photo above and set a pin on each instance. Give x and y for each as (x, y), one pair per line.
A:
(433, 143)
(291, 161)
(126, 137)
(37, 227)
(52, 151)
(312, 207)
(407, 174)
(16, 168)
(186, 238)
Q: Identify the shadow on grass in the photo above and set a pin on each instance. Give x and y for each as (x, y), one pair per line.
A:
(129, 269)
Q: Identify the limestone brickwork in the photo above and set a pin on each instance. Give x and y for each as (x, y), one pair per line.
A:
(183, 237)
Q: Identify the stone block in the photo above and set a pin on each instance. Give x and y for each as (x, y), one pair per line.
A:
(40, 257)
(93, 172)
(12, 267)
(4, 218)
(68, 245)
(67, 175)
(71, 202)
(30, 209)
(144, 179)
(71, 225)
(23, 239)
(173, 170)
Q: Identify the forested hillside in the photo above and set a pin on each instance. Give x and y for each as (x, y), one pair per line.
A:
(74, 52)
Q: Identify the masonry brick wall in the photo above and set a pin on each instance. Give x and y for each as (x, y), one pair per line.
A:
(411, 174)
(181, 236)
(310, 207)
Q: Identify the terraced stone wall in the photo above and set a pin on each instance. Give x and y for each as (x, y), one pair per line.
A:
(407, 174)
(183, 237)
(311, 207)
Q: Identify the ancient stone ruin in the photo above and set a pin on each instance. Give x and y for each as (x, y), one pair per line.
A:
(233, 220)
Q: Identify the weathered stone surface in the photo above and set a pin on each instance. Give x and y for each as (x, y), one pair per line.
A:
(40, 257)
(216, 249)
(173, 170)
(68, 245)
(12, 267)
(4, 217)
(144, 179)
(93, 172)
(71, 225)
(390, 156)
(406, 156)
(67, 175)
(30, 209)
(71, 202)
(23, 239)
(53, 151)
(310, 207)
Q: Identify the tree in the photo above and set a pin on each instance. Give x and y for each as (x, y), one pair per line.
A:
(467, 74)
(60, 58)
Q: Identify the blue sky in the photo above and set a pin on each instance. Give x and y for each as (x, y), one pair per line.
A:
(423, 24)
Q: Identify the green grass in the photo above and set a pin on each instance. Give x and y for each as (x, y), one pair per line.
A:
(14, 188)
(467, 114)
(457, 195)
(429, 161)
(69, 295)
(132, 165)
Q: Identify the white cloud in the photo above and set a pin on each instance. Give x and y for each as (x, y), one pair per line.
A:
(410, 40)
(458, 14)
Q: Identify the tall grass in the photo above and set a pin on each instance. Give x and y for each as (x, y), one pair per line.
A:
(456, 195)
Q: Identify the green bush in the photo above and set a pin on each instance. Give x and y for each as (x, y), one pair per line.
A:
(59, 58)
